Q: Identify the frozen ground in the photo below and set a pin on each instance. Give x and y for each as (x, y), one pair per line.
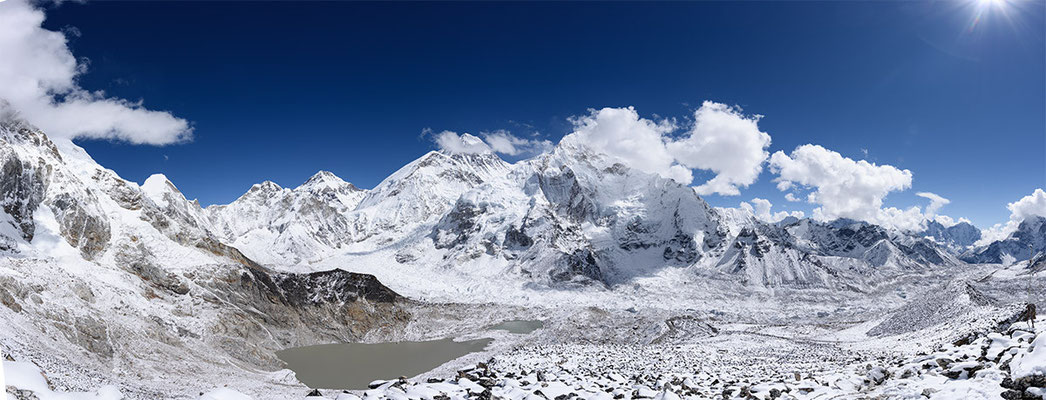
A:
(686, 348)
(996, 366)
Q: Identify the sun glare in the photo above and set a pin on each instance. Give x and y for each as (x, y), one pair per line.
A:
(984, 7)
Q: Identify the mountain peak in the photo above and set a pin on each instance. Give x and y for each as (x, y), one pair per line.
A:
(264, 190)
(266, 186)
(471, 140)
(327, 178)
(323, 176)
(156, 185)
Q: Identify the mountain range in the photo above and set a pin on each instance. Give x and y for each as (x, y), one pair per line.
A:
(571, 216)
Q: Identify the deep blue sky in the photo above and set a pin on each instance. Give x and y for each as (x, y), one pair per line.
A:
(280, 90)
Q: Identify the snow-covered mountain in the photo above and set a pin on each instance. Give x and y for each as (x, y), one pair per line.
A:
(135, 280)
(1030, 237)
(958, 237)
(288, 226)
(575, 215)
(571, 216)
(325, 215)
(842, 254)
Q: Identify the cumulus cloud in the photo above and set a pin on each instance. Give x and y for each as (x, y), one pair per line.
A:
(38, 76)
(843, 187)
(761, 209)
(721, 140)
(726, 142)
(505, 142)
(1028, 206)
(638, 142)
(908, 219)
(1033, 205)
(949, 221)
(855, 189)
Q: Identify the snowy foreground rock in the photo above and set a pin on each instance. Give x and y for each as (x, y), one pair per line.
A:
(1009, 364)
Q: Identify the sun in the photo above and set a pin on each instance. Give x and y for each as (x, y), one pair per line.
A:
(992, 3)
(981, 8)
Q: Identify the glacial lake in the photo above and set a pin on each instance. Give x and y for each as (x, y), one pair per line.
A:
(519, 326)
(354, 365)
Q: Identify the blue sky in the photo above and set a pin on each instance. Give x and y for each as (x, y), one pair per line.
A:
(280, 90)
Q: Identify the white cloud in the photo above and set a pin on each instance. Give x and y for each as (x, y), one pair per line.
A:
(855, 189)
(1028, 206)
(843, 188)
(721, 140)
(498, 141)
(949, 221)
(909, 219)
(638, 142)
(38, 76)
(761, 209)
(451, 142)
(504, 142)
(997, 232)
(936, 202)
(726, 142)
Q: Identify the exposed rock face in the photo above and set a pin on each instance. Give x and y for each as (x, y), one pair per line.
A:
(335, 287)
(82, 223)
(301, 309)
(30, 178)
(138, 260)
(126, 194)
(23, 186)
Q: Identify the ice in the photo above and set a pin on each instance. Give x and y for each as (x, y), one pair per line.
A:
(1032, 362)
(224, 394)
(26, 376)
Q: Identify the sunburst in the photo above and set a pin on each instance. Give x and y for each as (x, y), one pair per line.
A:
(982, 9)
